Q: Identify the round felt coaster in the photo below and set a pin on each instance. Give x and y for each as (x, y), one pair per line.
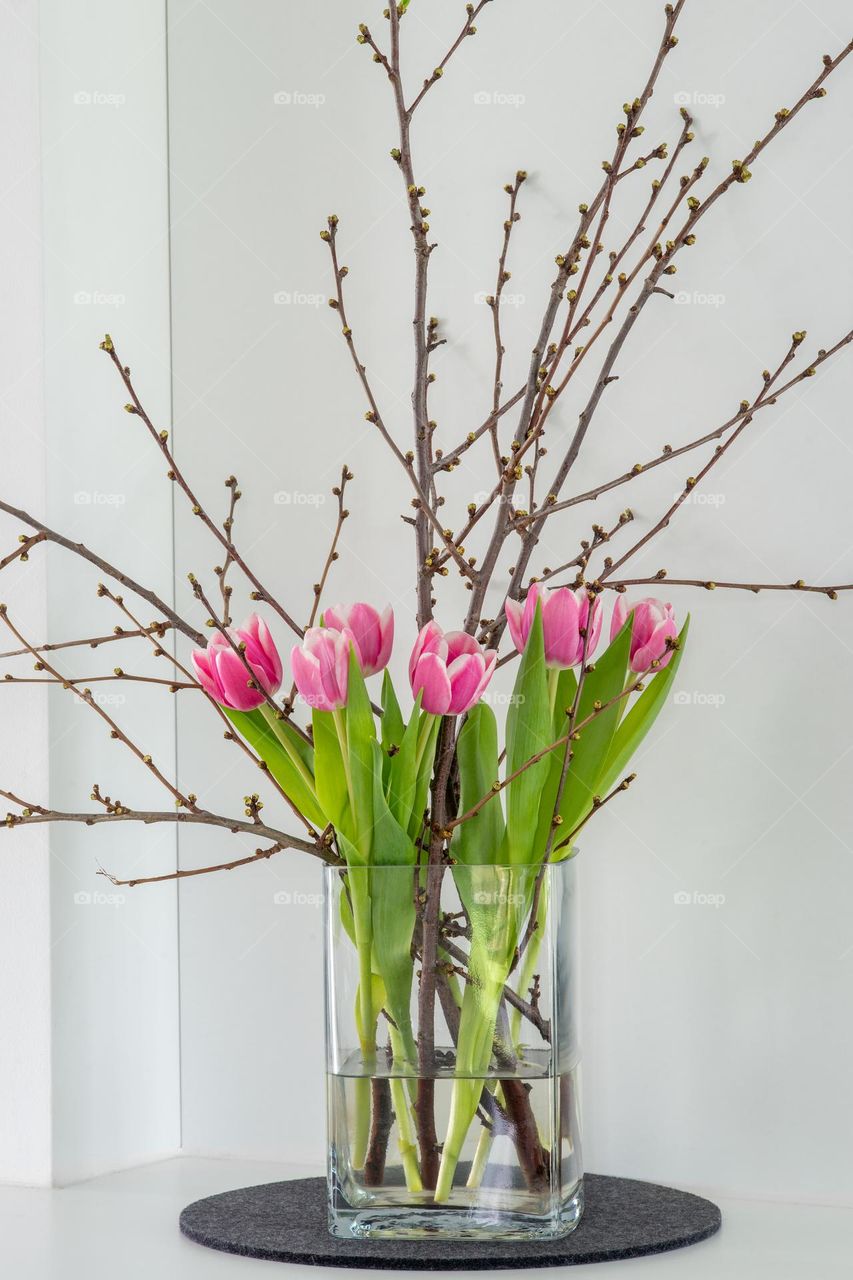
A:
(286, 1222)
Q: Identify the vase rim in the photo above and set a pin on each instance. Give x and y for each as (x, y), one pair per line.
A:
(330, 869)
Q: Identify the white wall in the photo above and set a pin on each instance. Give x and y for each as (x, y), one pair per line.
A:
(25, 1008)
(89, 1072)
(718, 1049)
(115, 1041)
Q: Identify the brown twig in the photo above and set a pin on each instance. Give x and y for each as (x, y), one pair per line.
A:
(94, 642)
(221, 571)
(321, 848)
(187, 802)
(78, 548)
(421, 501)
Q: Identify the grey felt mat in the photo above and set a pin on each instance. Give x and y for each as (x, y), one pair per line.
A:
(286, 1222)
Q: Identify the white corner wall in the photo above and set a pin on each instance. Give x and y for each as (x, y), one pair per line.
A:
(25, 997)
(114, 970)
(89, 1067)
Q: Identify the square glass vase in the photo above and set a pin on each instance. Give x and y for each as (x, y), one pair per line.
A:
(452, 1058)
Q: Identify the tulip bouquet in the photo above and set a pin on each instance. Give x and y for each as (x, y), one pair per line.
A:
(401, 797)
(571, 728)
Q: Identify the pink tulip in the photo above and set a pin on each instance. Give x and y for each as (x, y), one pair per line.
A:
(450, 670)
(565, 615)
(654, 624)
(221, 673)
(372, 633)
(320, 667)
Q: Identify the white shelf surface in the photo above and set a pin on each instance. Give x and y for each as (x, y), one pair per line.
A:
(126, 1224)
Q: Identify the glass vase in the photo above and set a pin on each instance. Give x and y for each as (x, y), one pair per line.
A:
(452, 1102)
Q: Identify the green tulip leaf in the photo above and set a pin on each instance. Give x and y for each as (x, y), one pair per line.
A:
(361, 737)
(601, 686)
(528, 731)
(642, 715)
(402, 770)
(392, 725)
(291, 768)
(567, 687)
(480, 838)
(329, 769)
(393, 906)
(427, 738)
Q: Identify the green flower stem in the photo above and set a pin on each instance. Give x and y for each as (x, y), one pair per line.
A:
(341, 729)
(406, 1140)
(480, 1006)
(366, 1016)
(484, 1144)
(361, 1124)
(553, 680)
(424, 730)
(531, 956)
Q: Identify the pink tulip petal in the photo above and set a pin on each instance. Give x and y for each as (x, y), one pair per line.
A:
(459, 643)
(465, 675)
(431, 677)
(491, 659)
(343, 642)
(200, 659)
(363, 624)
(595, 632)
(234, 680)
(386, 634)
(514, 611)
(305, 669)
(333, 616)
(430, 640)
(560, 621)
(617, 621)
(272, 664)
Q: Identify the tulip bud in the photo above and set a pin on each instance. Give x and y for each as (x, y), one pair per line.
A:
(653, 626)
(565, 619)
(320, 667)
(371, 632)
(450, 670)
(223, 675)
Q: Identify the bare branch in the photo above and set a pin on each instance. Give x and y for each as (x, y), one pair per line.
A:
(33, 814)
(78, 548)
